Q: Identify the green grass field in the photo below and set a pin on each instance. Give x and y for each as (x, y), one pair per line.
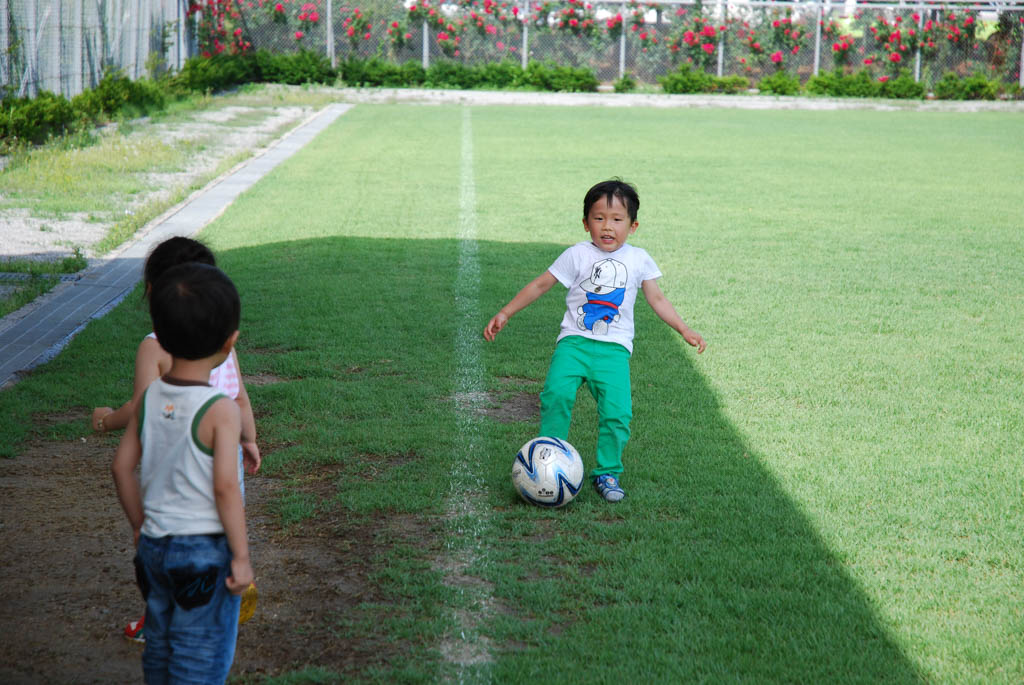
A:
(831, 493)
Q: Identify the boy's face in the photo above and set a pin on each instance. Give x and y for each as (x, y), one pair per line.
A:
(608, 224)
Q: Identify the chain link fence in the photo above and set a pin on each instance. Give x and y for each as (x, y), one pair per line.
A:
(64, 46)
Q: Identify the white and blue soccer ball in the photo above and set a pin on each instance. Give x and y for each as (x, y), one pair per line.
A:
(547, 472)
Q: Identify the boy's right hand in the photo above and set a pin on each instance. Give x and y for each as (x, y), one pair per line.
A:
(240, 578)
(100, 413)
(494, 326)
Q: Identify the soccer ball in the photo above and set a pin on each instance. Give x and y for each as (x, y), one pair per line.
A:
(547, 472)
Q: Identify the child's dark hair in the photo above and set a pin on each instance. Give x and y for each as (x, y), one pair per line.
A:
(195, 308)
(616, 187)
(172, 252)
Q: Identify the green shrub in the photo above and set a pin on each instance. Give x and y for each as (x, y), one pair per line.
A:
(837, 84)
(903, 86)
(451, 74)
(626, 84)
(974, 87)
(550, 76)
(211, 74)
(860, 85)
(729, 84)
(826, 83)
(37, 119)
(118, 94)
(448, 74)
(500, 74)
(369, 73)
(780, 83)
(686, 79)
(295, 68)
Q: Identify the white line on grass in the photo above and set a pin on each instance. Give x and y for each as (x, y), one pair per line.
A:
(466, 649)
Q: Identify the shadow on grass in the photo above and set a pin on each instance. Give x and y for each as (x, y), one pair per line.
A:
(708, 571)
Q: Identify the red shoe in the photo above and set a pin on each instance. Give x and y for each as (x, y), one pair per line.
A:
(134, 631)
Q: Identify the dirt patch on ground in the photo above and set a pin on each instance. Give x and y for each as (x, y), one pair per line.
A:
(67, 586)
(504, 407)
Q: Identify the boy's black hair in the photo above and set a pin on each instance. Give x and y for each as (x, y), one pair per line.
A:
(172, 252)
(616, 187)
(195, 308)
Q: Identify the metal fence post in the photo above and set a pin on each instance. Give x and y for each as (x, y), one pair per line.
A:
(28, 81)
(426, 46)
(817, 39)
(524, 57)
(917, 53)
(1020, 67)
(330, 35)
(5, 41)
(721, 38)
(622, 44)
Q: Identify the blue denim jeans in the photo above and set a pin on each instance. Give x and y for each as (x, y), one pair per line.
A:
(191, 617)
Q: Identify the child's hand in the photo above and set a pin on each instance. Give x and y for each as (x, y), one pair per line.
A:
(241, 576)
(494, 326)
(251, 456)
(693, 337)
(98, 414)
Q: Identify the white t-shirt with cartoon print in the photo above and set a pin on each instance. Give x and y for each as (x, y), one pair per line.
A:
(602, 290)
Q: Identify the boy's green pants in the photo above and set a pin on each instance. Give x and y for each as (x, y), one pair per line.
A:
(604, 367)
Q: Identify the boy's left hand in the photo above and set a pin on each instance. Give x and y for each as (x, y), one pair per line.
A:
(241, 576)
(693, 337)
(251, 456)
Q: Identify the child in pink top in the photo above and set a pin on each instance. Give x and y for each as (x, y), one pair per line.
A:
(152, 362)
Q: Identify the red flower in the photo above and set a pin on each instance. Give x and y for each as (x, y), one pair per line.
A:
(883, 79)
(869, 60)
(238, 32)
(895, 57)
(708, 48)
(777, 56)
(298, 35)
(279, 7)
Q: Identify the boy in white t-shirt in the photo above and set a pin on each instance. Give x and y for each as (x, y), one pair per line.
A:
(185, 505)
(603, 276)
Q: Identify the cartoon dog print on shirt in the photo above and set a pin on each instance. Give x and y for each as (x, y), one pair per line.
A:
(605, 290)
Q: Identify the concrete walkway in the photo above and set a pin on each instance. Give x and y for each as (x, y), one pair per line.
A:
(35, 334)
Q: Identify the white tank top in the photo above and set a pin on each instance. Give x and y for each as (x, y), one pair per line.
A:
(176, 473)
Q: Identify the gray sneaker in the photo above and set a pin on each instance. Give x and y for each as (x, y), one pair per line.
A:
(609, 488)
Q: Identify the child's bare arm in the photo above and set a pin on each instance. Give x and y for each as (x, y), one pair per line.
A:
(126, 459)
(524, 298)
(151, 362)
(250, 450)
(667, 313)
(221, 428)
